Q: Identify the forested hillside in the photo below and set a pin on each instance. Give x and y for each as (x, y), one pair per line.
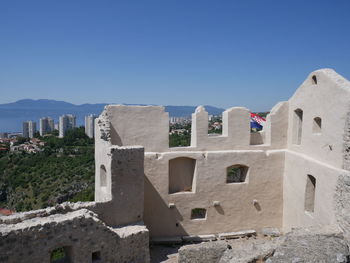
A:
(63, 171)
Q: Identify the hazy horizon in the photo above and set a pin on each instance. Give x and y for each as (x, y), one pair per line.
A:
(14, 114)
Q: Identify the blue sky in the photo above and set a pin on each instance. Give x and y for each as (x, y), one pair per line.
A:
(250, 53)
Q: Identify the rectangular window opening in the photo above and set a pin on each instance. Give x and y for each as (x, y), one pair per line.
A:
(180, 132)
(215, 125)
(297, 126)
(310, 190)
(198, 213)
(96, 256)
(317, 125)
(236, 174)
(181, 174)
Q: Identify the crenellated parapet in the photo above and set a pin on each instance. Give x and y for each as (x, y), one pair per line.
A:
(235, 131)
(149, 126)
(194, 177)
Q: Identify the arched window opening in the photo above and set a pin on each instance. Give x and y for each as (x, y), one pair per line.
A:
(181, 174)
(236, 174)
(297, 126)
(317, 125)
(314, 80)
(103, 176)
(310, 191)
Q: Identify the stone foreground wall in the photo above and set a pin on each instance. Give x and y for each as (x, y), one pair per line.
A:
(80, 233)
(342, 204)
(313, 244)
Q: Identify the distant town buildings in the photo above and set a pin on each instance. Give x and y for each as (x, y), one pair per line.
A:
(90, 125)
(12, 135)
(3, 135)
(66, 123)
(174, 120)
(47, 125)
(33, 146)
(29, 129)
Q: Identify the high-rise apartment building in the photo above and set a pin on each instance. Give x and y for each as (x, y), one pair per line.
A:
(66, 123)
(90, 125)
(29, 129)
(46, 125)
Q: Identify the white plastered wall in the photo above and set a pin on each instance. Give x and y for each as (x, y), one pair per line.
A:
(102, 157)
(213, 155)
(277, 167)
(120, 200)
(236, 210)
(318, 154)
(139, 125)
(329, 99)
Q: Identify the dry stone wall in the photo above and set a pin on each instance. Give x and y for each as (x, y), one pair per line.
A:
(83, 237)
(342, 204)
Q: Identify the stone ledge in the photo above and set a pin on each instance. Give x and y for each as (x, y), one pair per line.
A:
(63, 208)
(198, 238)
(231, 235)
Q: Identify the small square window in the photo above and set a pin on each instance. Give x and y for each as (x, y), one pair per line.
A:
(198, 213)
(236, 174)
(96, 256)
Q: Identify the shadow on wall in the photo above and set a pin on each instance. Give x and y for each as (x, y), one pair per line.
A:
(115, 138)
(219, 209)
(164, 219)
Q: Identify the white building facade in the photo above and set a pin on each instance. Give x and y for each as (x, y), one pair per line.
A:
(47, 125)
(29, 129)
(66, 123)
(90, 125)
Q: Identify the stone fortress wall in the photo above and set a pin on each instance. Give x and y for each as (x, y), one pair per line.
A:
(292, 166)
(294, 173)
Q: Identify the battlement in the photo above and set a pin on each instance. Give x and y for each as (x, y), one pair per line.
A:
(281, 165)
(149, 126)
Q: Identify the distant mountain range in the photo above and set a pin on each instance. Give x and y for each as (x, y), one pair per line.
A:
(13, 114)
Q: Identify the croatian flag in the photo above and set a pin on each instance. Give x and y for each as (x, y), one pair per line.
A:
(256, 121)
